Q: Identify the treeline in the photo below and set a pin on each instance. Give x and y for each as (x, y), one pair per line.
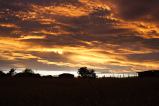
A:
(83, 72)
(25, 73)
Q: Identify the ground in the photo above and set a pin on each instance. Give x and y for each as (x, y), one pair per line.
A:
(79, 92)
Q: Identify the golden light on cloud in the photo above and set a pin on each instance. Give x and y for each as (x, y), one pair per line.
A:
(78, 56)
(46, 21)
(95, 33)
(54, 33)
(13, 43)
(31, 37)
(55, 50)
(27, 15)
(68, 10)
(68, 64)
(97, 3)
(8, 25)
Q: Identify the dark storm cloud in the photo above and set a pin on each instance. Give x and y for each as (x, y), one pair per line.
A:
(138, 9)
(147, 57)
(152, 43)
(13, 5)
(60, 40)
(92, 26)
(51, 56)
(23, 4)
(31, 25)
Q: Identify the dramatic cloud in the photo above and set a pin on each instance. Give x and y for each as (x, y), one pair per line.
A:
(146, 10)
(108, 35)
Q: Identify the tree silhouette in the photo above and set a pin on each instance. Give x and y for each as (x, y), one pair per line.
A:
(11, 72)
(28, 73)
(86, 73)
(149, 73)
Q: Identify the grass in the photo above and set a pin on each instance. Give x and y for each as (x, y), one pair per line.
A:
(79, 92)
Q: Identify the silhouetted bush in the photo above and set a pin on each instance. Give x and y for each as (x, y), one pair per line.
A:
(84, 72)
(149, 73)
(28, 73)
(11, 72)
(48, 76)
(2, 74)
(66, 75)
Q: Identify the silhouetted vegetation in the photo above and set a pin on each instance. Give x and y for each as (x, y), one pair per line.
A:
(84, 72)
(11, 72)
(30, 89)
(79, 92)
(66, 75)
(149, 73)
(2, 74)
(48, 76)
(28, 73)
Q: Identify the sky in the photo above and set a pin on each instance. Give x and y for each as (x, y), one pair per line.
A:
(106, 35)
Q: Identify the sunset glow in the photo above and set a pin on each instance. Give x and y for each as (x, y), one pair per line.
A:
(68, 34)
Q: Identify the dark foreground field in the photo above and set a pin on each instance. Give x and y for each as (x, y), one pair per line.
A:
(79, 92)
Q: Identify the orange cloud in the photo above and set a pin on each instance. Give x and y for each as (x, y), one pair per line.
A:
(89, 33)
(31, 37)
(8, 25)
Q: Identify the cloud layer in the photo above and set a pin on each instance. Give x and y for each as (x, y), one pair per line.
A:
(66, 34)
